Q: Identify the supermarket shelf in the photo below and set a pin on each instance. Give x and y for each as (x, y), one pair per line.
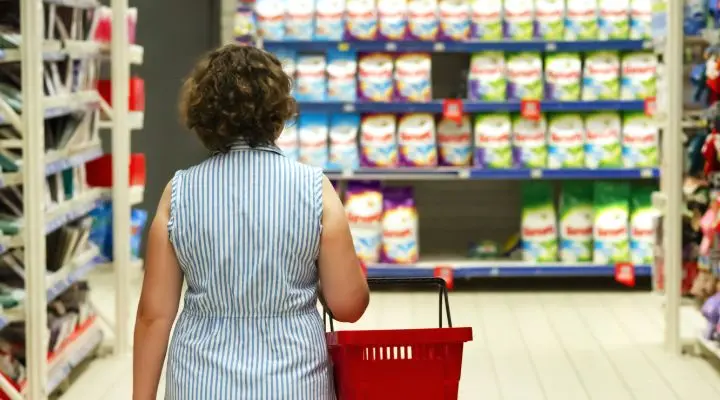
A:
(63, 104)
(458, 47)
(59, 160)
(52, 51)
(441, 173)
(137, 193)
(711, 348)
(73, 209)
(136, 121)
(74, 3)
(436, 106)
(507, 269)
(88, 49)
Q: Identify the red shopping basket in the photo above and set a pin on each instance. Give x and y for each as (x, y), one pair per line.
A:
(413, 364)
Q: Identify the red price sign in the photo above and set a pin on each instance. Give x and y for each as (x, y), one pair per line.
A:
(446, 274)
(530, 109)
(453, 110)
(650, 106)
(625, 274)
(363, 267)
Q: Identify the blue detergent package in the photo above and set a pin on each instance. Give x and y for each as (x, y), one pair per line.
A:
(344, 150)
(313, 134)
(310, 78)
(341, 76)
(329, 19)
(270, 16)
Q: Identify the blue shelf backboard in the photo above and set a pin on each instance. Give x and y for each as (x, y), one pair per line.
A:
(402, 173)
(516, 271)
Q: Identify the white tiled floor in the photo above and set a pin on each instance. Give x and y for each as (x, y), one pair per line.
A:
(527, 346)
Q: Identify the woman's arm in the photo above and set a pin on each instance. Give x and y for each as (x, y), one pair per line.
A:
(158, 306)
(342, 281)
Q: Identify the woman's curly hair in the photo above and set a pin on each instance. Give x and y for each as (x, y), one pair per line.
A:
(237, 93)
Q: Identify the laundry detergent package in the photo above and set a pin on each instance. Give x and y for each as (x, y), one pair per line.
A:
(642, 231)
(455, 142)
(270, 16)
(640, 141)
(423, 21)
(566, 141)
(581, 20)
(364, 209)
(313, 135)
(341, 76)
(640, 19)
(417, 140)
(310, 78)
(525, 76)
(563, 73)
(299, 19)
(639, 76)
(519, 19)
(550, 19)
(454, 19)
(289, 142)
(486, 19)
(538, 232)
(378, 141)
(603, 144)
(486, 80)
(375, 77)
(613, 19)
(288, 60)
(329, 19)
(576, 222)
(361, 20)
(493, 141)
(413, 77)
(529, 142)
(344, 151)
(601, 76)
(399, 227)
(392, 19)
(611, 241)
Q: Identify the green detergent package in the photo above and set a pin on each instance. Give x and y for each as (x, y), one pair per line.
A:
(642, 232)
(603, 140)
(566, 141)
(563, 74)
(576, 222)
(539, 239)
(640, 141)
(611, 239)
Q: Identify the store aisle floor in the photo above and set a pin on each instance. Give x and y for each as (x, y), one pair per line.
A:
(527, 346)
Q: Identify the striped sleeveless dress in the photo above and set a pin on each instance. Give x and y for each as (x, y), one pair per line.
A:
(246, 226)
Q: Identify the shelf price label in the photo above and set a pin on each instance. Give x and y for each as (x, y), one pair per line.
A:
(445, 273)
(342, 46)
(530, 109)
(453, 110)
(650, 106)
(625, 274)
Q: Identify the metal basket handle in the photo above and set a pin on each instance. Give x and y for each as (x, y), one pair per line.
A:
(438, 282)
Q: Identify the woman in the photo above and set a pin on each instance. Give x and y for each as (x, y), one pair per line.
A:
(252, 233)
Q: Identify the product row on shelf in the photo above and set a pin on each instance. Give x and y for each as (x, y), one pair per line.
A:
(491, 76)
(347, 142)
(451, 19)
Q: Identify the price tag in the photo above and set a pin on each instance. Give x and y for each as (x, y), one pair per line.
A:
(536, 173)
(344, 46)
(363, 267)
(453, 110)
(551, 46)
(650, 106)
(390, 46)
(439, 46)
(446, 274)
(530, 109)
(349, 108)
(464, 173)
(625, 274)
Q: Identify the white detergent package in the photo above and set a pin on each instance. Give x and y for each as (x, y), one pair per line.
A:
(640, 19)
(529, 142)
(640, 141)
(611, 239)
(361, 19)
(344, 150)
(614, 19)
(270, 16)
(288, 142)
(313, 133)
(423, 21)
(581, 20)
(341, 76)
(375, 77)
(310, 78)
(603, 144)
(601, 76)
(454, 19)
(566, 141)
(329, 19)
(525, 76)
(392, 19)
(576, 222)
(639, 76)
(288, 59)
(299, 20)
(364, 208)
(550, 19)
(413, 77)
(493, 141)
(563, 76)
(455, 142)
(378, 141)
(486, 80)
(417, 140)
(539, 239)
(642, 227)
(519, 19)
(486, 19)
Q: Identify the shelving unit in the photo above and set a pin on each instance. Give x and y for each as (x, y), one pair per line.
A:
(73, 95)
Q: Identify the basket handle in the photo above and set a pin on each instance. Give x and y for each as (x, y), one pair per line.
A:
(438, 282)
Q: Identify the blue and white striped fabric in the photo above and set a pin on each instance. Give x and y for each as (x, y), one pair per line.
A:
(246, 229)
